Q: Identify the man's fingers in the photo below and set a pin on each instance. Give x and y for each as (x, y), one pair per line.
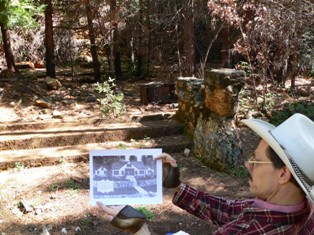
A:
(111, 210)
(162, 156)
(167, 158)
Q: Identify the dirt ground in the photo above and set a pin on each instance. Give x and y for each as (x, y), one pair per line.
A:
(59, 195)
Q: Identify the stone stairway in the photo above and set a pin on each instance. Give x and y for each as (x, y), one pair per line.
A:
(45, 143)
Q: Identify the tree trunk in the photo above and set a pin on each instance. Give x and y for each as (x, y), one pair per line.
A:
(92, 38)
(140, 42)
(7, 49)
(114, 45)
(8, 53)
(149, 29)
(49, 44)
(116, 51)
(188, 64)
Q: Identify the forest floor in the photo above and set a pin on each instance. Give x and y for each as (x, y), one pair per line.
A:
(60, 193)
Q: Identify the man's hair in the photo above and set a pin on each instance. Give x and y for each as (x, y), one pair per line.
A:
(278, 163)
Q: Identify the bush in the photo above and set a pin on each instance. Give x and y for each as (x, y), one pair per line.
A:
(304, 107)
(112, 105)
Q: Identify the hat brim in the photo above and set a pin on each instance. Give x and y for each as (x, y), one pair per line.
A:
(263, 129)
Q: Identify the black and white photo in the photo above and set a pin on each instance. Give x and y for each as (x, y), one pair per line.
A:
(120, 177)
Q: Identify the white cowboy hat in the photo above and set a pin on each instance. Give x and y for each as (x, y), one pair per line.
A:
(293, 141)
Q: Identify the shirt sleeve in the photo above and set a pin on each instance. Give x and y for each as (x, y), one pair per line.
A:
(209, 208)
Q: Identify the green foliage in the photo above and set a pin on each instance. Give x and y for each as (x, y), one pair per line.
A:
(307, 52)
(112, 105)
(240, 172)
(288, 109)
(147, 212)
(268, 101)
(122, 146)
(86, 219)
(63, 160)
(70, 184)
(131, 68)
(19, 13)
(19, 166)
(245, 66)
(54, 187)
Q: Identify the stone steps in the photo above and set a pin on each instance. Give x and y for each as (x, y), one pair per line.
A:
(36, 144)
(60, 135)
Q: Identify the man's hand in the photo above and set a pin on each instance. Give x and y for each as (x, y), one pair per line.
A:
(166, 158)
(112, 211)
(126, 218)
(170, 171)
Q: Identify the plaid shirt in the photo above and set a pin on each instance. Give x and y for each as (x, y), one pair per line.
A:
(243, 216)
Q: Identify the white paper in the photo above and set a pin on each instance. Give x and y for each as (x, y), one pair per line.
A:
(125, 177)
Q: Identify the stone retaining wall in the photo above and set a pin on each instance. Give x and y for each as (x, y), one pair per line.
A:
(207, 107)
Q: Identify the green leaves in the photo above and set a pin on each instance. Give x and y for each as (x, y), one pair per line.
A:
(19, 13)
(112, 105)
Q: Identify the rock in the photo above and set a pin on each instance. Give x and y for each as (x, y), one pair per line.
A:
(173, 105)
(64, 231)
(42, 103)
(91, 99)
(187, 152)
(26, 206)
(45, 232)
(16, 211)
(25, 65)
(222, 87)
(57, 114)
(53, 83)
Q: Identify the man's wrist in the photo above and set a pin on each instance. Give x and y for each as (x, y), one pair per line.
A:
(143, 230)
(177, 189)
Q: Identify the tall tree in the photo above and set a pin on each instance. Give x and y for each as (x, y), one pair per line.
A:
(9, 57)
(149, 30)
(92, 38)
(115, 60)
(140, 49)
(13, 14)
(49, 43)
(271, 34)
(188, 64)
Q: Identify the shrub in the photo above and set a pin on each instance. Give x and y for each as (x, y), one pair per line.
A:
(112, 105)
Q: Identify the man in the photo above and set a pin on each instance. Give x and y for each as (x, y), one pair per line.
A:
(281, 178)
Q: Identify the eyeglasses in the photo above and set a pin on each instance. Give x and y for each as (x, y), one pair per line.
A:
(251, 161)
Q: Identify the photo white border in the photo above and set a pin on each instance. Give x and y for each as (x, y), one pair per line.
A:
(156, 199)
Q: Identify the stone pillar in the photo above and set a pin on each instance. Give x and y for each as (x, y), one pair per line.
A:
(191, 96)
(222, 87)
(207, 108)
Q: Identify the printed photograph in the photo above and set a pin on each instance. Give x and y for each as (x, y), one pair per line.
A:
(119, 177)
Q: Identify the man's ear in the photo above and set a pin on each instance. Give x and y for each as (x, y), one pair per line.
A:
(285, 175)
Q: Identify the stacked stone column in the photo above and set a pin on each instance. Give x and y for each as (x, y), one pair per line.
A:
(207, 108)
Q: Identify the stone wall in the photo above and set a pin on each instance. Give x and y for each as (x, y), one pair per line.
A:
(207, 107)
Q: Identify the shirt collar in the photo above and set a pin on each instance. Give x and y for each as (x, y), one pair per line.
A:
(285, 209)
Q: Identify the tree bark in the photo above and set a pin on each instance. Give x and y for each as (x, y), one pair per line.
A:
(188, 64)
(149, 29)
(8, 53)
(92, 38)
(114, 45)
(140, 42)
(7, 49)
(49, 44)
